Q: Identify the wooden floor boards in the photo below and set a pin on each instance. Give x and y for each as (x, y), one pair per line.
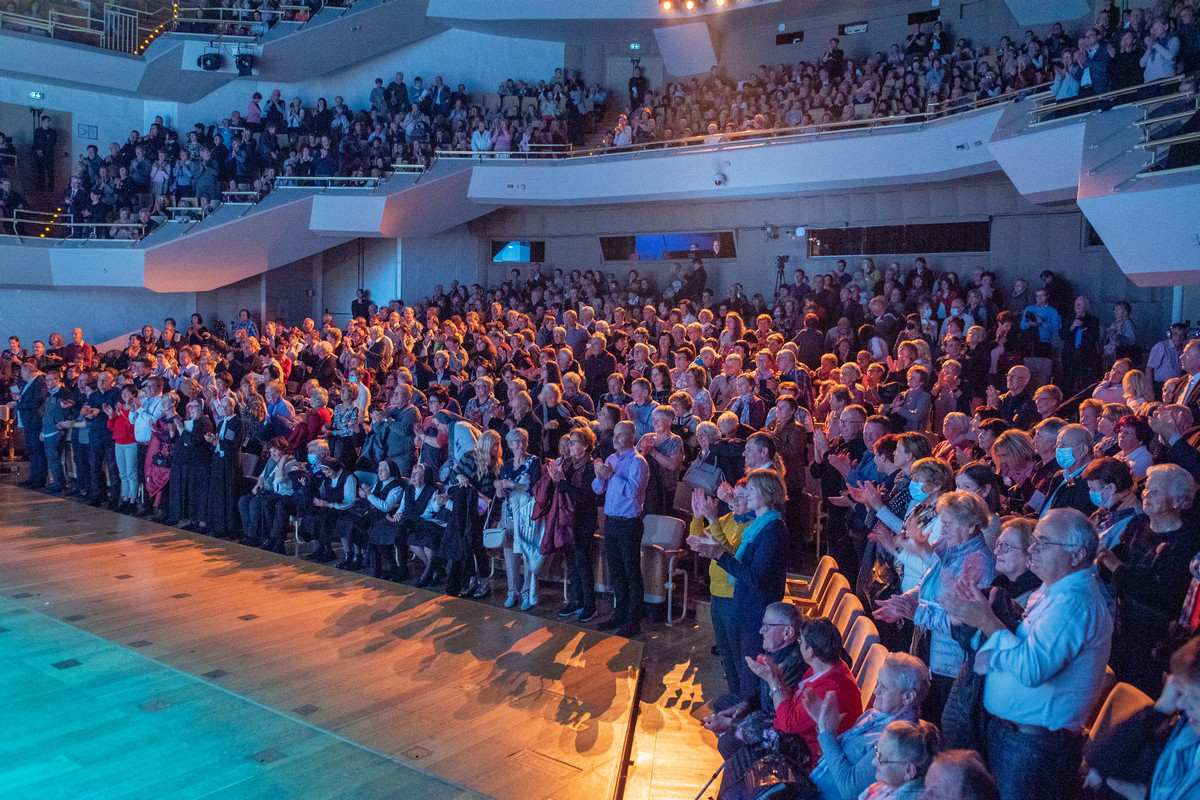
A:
(381, 677)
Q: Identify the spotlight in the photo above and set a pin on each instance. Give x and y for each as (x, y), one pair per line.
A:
(689, 4)
(245, 64)
(720, 3)
(210, 62)
(666, 5)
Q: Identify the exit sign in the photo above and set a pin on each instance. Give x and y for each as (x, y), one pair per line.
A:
(635, 46)
(36, 95)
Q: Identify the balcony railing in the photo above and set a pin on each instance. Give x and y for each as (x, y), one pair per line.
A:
(112, 26)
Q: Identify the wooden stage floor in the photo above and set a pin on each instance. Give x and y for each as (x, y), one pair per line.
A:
(281, 678)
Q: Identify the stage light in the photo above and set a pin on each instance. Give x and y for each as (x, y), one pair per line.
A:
(690, 4)
(720, 3)
(666, 5)
(245, 64)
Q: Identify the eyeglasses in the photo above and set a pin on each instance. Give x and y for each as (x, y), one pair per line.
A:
(1002, 548)
(1039, 543)
(882, 760)
(775, 625)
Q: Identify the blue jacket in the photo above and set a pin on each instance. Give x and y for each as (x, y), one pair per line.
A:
(761, 576)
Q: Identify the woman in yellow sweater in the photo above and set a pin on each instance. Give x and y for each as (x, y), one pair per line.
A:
(708, 525)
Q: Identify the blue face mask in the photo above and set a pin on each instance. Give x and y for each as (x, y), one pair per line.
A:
(917, 491)
(312, 459)
(352, 379)
(1065, 457)
(1097, 498)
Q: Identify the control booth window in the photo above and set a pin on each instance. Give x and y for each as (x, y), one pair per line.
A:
(949, 237)
(669, 246)
(519, 252)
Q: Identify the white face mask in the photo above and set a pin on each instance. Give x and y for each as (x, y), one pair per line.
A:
(187, 425)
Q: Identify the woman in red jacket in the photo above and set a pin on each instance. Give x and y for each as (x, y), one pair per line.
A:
(126, 445)
(821, 646)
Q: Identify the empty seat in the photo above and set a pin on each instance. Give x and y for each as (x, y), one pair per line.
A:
(863, 634)
(847, 610)
(1122, 703)
(810, 590)
(492, 100)
(837, 586)
(662, 547)
(869, 674)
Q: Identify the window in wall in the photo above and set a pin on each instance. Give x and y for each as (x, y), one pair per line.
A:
(520, 252)
(668, 246)
(1090, 237)
(950, 237)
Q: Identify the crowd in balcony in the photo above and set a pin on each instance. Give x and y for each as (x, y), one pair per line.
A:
(1005, 480)
(932, 71)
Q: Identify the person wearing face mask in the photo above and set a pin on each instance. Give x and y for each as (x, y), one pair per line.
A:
(961, 554)
(1110, 488)
(1067, 488)
(1147, 573)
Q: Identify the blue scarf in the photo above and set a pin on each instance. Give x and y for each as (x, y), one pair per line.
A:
(751, 533)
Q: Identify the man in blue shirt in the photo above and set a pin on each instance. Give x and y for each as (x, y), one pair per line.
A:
(1045, 318)
(622, 479)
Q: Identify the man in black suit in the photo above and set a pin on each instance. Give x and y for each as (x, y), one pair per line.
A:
(1081, 349)
(30, 402)
(1016, 406)
(1185, 390)
(1172, 423)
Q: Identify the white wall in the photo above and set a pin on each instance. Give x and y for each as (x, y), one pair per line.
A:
(102, 313)
(114, 116)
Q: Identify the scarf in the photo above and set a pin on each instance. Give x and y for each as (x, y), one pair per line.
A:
(750, 534)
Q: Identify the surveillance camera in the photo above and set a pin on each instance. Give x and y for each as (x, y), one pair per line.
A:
(719, 179)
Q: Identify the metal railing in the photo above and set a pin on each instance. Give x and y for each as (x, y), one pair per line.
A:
(326, 182)
(1048, 108)
(937, 111)
(111, 26)
(20, 227)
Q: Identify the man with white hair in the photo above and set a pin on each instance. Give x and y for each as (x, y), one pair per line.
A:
(1171, 423)
(1073, 453)
(1043, 679)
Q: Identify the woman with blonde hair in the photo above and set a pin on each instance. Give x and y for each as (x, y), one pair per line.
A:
(472, 491)
(1138, 390)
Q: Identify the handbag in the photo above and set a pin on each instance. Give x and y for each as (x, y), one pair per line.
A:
(705, 477)
(494, 531)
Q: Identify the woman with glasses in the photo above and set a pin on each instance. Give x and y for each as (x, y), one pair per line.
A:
(1013, 585)
(847, 766)
(902, 757)
(1147, 573)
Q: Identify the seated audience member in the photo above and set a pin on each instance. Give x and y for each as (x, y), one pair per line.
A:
(780, 633)
(1171, 422)
(821, 647)
(1147, 573)
(1043, 679)
(1068, 489)
(847, 764)
(1110, 488)
(902, 758)
(959, 775)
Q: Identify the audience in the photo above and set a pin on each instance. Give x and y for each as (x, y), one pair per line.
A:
(1016, 554)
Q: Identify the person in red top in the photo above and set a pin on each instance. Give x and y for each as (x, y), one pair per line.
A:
(126, 445)
(821, 646)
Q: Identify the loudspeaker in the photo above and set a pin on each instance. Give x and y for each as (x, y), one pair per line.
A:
(210, 62)
(245, 64)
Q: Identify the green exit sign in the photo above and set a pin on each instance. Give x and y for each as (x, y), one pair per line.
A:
(635, 46)
(36, 95)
